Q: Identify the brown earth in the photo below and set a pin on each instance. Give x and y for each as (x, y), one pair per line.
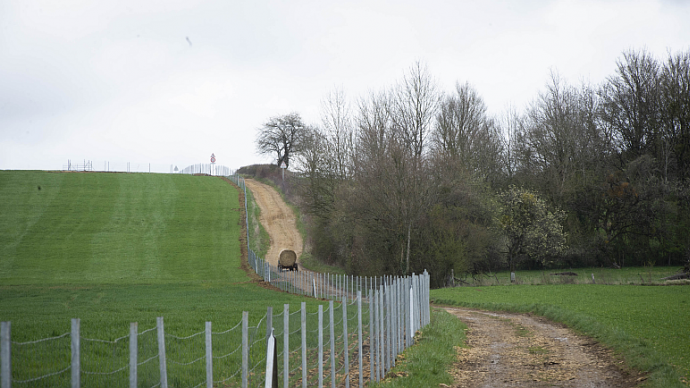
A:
(278, 220)
(517, 350)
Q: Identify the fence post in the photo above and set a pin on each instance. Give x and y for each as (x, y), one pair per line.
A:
(245, 348)
(286, 344)
(359, 336)
(6, 354)
(269, 322)
(161, 352)
(133, 346)
(409, 341)
(345, 349)
(371, 337)
(304, 344)
(271, 362)
(389, 322)
(209, 356)
(331, 331)
(320, 346)
(382, 345)
(76, 367)
(377, 336)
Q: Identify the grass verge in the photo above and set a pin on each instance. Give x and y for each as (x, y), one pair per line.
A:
(427, 363)
(644, 325)
(259, 240)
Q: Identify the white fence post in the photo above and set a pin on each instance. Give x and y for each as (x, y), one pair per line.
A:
(161, 352)
(359, 336)
(209, 356)
(304, 344)
(382, 345)
(371, 336)
(245, 348)
(320, 346)
(76, 365)
(271, 362)
(6, 354)
(269, 322)
(345, 349)
(331, 331)
(286, 344)
(133, 359)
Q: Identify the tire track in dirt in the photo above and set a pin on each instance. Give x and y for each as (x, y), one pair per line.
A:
(278, 220)
(517, 350)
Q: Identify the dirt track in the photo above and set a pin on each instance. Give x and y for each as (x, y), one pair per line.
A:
(505, 350)
(278, 220)
(517, 350)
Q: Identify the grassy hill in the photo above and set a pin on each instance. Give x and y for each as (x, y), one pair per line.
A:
(117, 248)
(117, 228)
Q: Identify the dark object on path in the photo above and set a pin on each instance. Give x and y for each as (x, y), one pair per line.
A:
(564, 274)
(287, 260)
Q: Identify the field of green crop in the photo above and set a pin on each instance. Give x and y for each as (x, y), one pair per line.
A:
(648, 325)
(112, 249)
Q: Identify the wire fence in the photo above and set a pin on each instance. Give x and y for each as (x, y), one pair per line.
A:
(352, 340)
(85, 165)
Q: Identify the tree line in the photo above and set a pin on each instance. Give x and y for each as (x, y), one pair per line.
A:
(412, 178)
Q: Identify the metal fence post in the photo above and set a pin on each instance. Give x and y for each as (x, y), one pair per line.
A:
(286, 344)
(271, 362)
(320, 346)
(269, 322)
(76, 366)
(304, 344)
(6, 354)
(345, 349)
(331, 331)
(245, 348)
(372, 335)
(382, 348)
(209, 356)
(359, 336)
(133, 347)
(161, 352)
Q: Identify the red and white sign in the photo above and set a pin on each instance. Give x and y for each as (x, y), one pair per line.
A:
(213, 158)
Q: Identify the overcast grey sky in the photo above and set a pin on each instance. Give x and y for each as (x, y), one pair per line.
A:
(170, 82)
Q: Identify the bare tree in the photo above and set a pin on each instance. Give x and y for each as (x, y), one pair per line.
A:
(465, 136)
(281, 136)
(630, 105)
(414, 107)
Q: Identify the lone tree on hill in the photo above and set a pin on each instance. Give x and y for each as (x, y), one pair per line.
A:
(282, 136)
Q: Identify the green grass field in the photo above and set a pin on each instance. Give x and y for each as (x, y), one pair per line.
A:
(648, 325)
(112, 249)
(625, 276)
